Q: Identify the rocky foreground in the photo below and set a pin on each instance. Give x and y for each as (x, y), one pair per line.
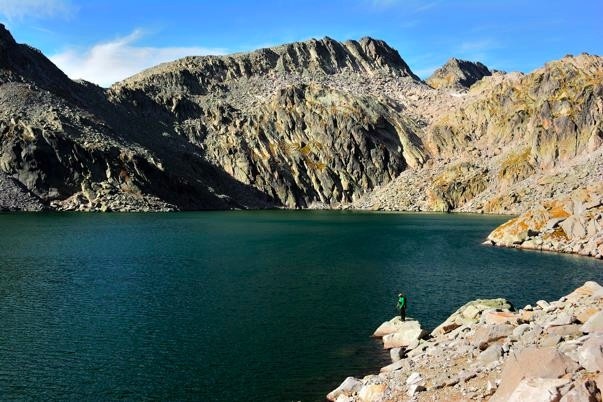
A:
(551, 351)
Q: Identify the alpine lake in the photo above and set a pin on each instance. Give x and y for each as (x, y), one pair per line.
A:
(227, 306)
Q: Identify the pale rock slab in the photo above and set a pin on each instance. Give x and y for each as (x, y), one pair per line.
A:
(538, 390)
(590, 354)
(531, 362)
(407, 333)
(347, 388)
(372, 392)
(594, 323)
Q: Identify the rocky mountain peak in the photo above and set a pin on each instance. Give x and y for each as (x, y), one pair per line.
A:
(324, 56)
(23, 63)
(330, 56)
(6, 43)
(6, 39)
(458, 74)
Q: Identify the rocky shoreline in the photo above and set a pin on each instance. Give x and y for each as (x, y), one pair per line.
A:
(549, 351)
(572, 224)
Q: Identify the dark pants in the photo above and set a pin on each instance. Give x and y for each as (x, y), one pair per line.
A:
(403, 313)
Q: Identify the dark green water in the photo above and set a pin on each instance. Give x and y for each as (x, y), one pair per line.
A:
(236, 305)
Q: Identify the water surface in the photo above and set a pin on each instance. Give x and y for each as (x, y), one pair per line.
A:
(270, 305)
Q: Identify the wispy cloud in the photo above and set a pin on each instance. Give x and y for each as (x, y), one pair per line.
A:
(478, 45)
(38, 9)
(384, 3)
(410, 6)
(477, 50)
(426, 6)
(107, 62)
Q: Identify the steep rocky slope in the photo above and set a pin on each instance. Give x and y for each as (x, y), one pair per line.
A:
(315, 124)
(511, 141)
(277, 127)
(64, 144)
(297, 121)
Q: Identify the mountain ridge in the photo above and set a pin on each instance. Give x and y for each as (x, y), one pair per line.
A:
(314, 124)
(325, 55)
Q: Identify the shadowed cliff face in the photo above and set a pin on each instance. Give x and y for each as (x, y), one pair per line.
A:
(319, 123)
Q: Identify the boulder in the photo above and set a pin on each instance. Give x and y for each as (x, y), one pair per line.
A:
(537, 390)
(397, 365)
(582, 391)
(565, 330)
(407, 333)
(574, 227)
(348, 387)
(583, 314)
(492, 317)
(414, 378)
(550, 340)
(590, 354)
(470, 313)
(372, 392)
(491, 354)
(543, 304)
(531, 362)
(590, 288)
(561, 319)
(520, 330)
(486, 334)
(594, 323)
(389, 327)
(394, 354)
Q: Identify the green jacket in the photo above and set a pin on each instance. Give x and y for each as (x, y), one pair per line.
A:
(401, 302)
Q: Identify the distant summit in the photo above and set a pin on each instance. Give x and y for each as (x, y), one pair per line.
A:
(323, 56)
(458, 74)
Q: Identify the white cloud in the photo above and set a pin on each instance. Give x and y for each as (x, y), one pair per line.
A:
(19, 9)
(476, 50)
(107, 62)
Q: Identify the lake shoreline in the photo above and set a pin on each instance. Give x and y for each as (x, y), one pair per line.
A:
(527, 239)
(486, 350)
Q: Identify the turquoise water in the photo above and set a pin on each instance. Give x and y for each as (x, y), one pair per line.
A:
(237, 305)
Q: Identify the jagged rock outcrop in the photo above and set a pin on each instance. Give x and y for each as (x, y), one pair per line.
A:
(552, 349)
(573, 224)
(458, 74)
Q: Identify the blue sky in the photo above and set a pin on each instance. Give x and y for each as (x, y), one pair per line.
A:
(107, 40)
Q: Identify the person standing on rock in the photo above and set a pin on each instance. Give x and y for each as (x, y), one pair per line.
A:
(402, 306)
